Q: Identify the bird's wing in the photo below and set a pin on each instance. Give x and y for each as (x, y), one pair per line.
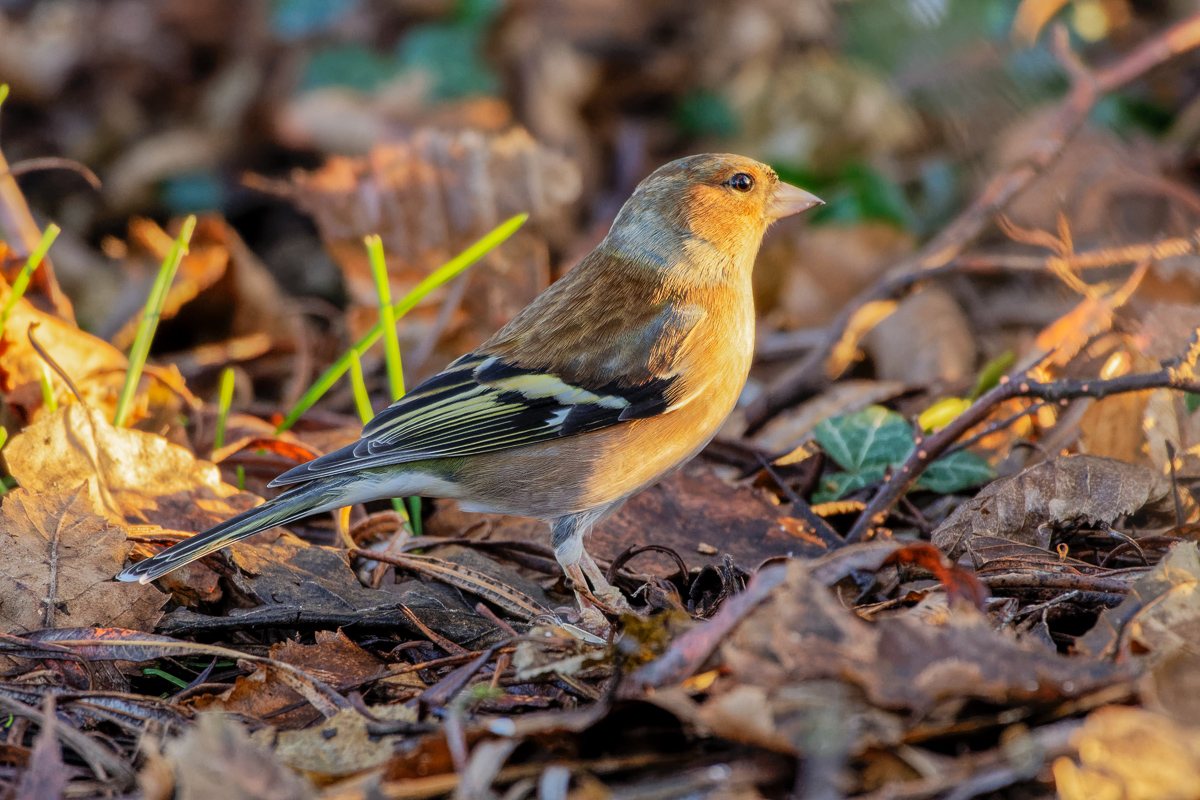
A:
(483, 403)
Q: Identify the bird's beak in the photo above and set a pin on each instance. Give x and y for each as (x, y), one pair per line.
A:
(789, 200)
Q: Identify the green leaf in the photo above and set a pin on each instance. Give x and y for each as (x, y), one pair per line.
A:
(867, 443)
(992, 372)
(1192, 401)
(452, 54)
(840, 484)
(955, 472)
(872, 437)
(353, 65)
(295, 19)
(705, 113)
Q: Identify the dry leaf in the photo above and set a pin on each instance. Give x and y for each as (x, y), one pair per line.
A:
(134, 477)
(1131, 754)
(340, 745)
(47, 776)
(864, 318)
(802, 634)
(1112, 427)
(59, 560)
(202, 266)
(1070, 333)
(804, 275)
(925, 341)
(95, 367)
(1096, 489)
(1160, 616)
(217, 759)
(333, 658)
(429, 197)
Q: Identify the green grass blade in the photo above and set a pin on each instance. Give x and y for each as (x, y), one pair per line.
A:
(48, 391)
(362, 400)
(32, 263)
(166, 676)
(3, 93)
(414, 515)
(387, 317)
(149, 322)
(224, 402)
(440, 276)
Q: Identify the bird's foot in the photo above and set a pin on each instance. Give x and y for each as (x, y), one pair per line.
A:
(603, 591)
(612, 597)
(592, 619)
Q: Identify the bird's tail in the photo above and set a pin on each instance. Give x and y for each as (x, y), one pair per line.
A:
(288, 507)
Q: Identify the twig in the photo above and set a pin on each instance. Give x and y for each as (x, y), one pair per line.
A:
(934, 446)
(1087, 87)
(50, 362)
(54, 162)
(819, 526)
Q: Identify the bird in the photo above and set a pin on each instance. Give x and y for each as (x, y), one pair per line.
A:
(609, 380)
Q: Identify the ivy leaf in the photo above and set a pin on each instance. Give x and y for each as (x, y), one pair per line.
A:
(867, 443)
(955, 472)
(840, 484)
(871, 437)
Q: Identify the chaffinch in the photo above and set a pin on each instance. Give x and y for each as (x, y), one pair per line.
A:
(609, 380)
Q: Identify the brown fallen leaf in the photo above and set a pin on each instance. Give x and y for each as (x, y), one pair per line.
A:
(1069, 334)
(59, 559)
(804, 274)
(428, 197)
(133, 477)
(223, 306)
(1096, 489)
(95, 367)
(333, 658)
(1131, 754)
(203, 265)
(926, 340)
(341, 745)
(1157, 627)
(46, 776)
(217, 759)
(801, 636)
(1159, 617)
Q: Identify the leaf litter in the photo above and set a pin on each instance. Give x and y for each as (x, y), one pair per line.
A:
(996, 602)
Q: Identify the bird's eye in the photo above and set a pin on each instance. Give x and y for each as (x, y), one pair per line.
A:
(741, 182)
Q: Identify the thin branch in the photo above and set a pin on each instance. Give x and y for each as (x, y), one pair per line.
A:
(50, 362)
(53, 162)
(803, 510)
(933, 447)
(1086, 89)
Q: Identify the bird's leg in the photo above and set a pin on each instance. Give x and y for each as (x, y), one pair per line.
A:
(567, 538)
(603, 590)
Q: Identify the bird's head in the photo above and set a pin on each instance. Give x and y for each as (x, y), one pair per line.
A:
(705, 212)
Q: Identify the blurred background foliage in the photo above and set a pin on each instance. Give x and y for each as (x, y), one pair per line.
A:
(893, 110)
